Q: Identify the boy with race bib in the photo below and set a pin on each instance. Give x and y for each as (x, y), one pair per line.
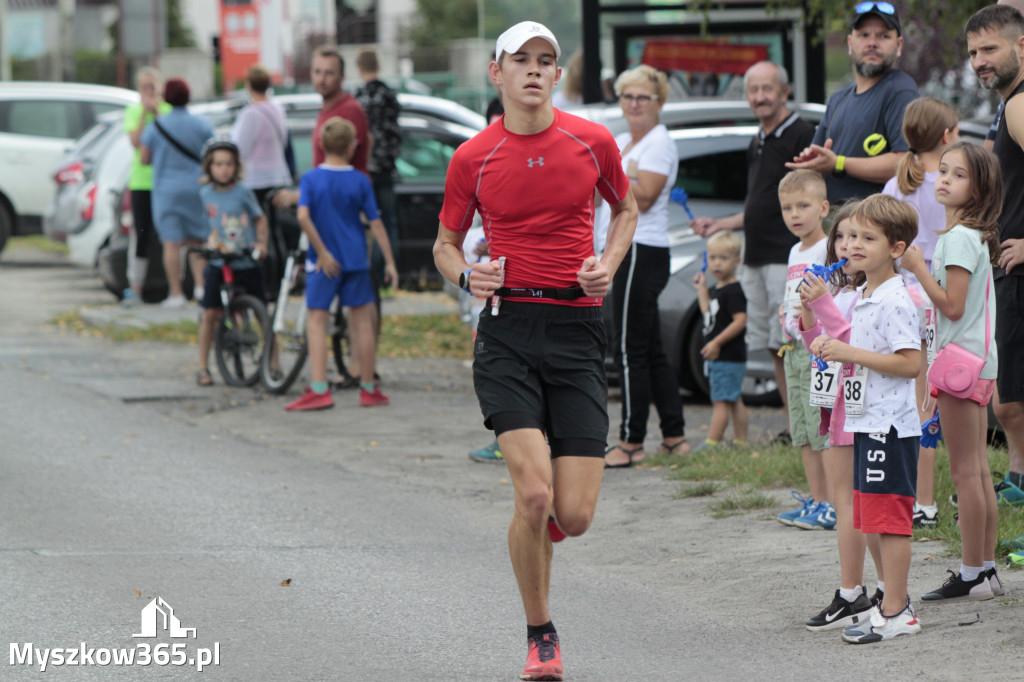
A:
(880, 409)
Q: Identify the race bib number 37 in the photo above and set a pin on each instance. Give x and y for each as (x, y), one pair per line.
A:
(824, 384)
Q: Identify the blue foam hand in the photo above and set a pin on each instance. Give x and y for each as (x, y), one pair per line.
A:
(931, 432)
(822, 365)
(679, 195)
(704, 267)
(825, 271)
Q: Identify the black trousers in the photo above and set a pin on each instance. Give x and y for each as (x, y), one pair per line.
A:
(646, 374)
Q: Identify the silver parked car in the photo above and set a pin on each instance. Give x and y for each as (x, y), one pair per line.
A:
(38, 122)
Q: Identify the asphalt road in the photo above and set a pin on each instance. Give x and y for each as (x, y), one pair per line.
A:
(121, 481)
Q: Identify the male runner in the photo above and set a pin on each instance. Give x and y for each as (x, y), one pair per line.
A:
(539, 354)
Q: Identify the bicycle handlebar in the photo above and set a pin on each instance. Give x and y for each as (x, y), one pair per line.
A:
(227, 256)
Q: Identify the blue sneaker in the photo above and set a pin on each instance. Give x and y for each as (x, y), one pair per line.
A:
(1009, 493)
(806, 504)
(1014, 545)
(822, 517)
(488, 455)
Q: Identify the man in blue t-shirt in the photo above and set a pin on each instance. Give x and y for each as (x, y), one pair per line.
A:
(859, 142)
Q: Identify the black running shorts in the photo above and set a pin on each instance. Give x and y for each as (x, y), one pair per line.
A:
(541, 366)
(1010, 337)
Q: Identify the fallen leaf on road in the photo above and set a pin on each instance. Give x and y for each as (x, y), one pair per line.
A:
(286, 583)
(504, 481)
(138, 593)
(977, 619)
(929, 557)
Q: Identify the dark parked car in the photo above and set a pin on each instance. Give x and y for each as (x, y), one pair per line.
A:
(428, 145)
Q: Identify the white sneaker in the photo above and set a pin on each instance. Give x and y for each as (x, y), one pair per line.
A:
(993, 582)
(877, 627)
(197, 294)
(173, 302)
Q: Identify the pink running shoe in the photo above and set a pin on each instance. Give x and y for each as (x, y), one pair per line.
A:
(372, 399)
(311, 400)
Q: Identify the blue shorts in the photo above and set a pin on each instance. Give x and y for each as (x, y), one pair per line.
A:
(726, 380)
(884, 482)
(353, 289)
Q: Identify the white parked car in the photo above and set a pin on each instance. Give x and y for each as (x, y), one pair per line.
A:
(38, 123)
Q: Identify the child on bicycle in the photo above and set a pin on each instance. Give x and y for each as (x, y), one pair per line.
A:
(236, 223)
(331, 198)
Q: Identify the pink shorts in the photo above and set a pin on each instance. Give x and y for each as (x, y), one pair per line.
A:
(982, 391)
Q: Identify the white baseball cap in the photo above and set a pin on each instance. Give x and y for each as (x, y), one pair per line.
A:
(514, 38)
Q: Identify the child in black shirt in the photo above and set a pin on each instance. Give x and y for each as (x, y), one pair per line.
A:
(725, 349)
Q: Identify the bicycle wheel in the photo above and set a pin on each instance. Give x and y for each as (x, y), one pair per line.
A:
(241, 336)
(340, 342)
(285, 354)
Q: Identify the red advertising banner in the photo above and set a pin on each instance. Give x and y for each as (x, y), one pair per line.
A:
(703, 56)
(239, 40)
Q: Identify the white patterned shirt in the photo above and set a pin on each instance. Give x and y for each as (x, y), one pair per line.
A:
(885, 323)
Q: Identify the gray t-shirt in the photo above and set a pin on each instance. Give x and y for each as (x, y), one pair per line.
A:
(232, 214)
(863, 125)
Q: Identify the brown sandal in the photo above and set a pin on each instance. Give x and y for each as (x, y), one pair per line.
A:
(204, 378)
(666, 449)
(629, 453)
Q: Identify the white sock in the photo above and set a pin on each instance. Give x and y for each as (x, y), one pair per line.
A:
(969, 573)
(925, 507)
(988, 565)
(881, 585)
(850, 595)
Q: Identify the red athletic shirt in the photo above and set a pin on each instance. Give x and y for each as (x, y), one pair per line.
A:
(352, 111)
(535, 194)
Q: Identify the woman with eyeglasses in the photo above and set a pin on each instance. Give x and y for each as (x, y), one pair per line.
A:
(650, 160)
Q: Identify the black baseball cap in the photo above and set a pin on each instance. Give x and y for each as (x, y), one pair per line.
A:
(883, 10)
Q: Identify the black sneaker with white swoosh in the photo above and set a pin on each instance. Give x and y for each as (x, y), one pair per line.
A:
(841, 613)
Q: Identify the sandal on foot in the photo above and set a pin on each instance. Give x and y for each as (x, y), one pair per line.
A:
(666, 449)
(203, 378)
(629, 453)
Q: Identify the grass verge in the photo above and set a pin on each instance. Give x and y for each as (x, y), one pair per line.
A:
(36, 242)
(402, 336)
(735, 479)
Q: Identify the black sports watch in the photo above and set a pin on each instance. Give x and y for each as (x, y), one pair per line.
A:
(464, 280)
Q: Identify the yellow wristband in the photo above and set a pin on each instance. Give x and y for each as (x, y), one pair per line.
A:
(840, 164)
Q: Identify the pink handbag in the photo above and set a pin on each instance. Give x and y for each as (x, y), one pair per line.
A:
(956, 371)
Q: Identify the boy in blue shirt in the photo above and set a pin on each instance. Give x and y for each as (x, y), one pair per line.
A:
(331, 198)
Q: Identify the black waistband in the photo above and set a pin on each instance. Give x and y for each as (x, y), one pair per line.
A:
(550, 311)
(569, 294)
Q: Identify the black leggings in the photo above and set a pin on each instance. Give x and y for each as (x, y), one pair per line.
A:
(646, 374)
(142, 218)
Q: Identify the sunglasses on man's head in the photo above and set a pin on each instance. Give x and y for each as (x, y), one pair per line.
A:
(883, 7)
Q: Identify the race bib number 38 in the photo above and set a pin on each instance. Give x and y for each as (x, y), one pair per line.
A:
(824, 384)
(929, 333)
(854, 387)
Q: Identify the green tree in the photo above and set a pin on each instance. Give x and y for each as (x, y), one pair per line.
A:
(932, 29)
(179, 33)
(441, 21)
